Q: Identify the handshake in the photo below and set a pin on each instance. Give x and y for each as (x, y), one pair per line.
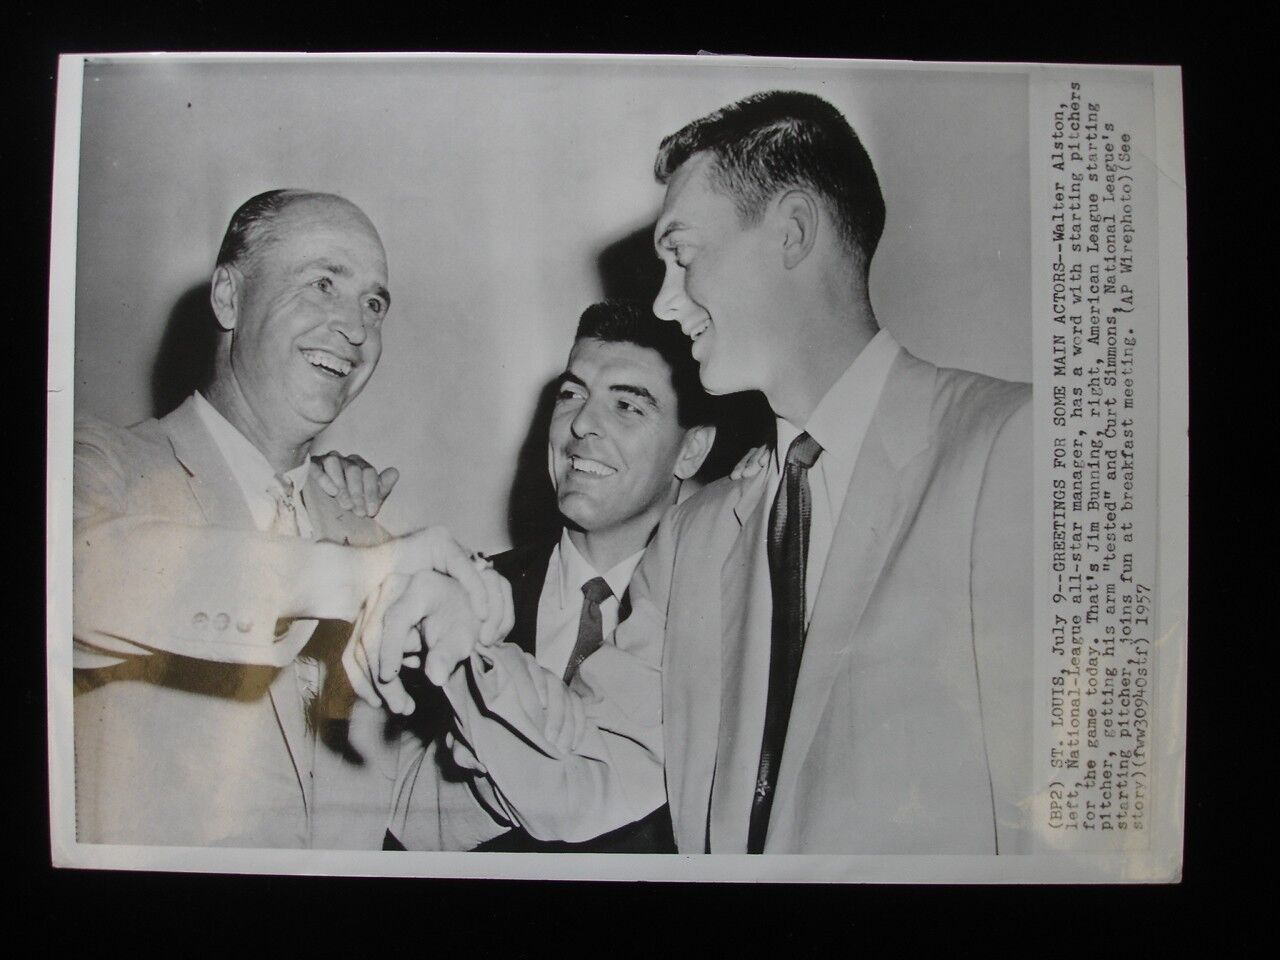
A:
(428, 604)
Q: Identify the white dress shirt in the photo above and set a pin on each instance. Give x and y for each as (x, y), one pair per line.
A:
(261, 488)
(250, 468)
(839, 423)
(560, 605)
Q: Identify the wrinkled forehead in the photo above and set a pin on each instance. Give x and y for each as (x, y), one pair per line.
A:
(318, 226)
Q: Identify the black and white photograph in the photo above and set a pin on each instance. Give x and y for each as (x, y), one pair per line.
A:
(617, 467)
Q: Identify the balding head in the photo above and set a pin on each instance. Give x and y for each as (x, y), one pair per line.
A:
(252, 226)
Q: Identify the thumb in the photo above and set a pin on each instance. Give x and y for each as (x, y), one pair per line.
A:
(386, 480)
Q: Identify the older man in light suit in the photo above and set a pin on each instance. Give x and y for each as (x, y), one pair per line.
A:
(833, 655)
(210, 704)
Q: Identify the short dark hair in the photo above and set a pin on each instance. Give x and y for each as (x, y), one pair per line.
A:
(631, 321)
(251, 225)
(779, 139)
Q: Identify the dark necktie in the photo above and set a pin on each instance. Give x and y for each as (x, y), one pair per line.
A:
(788, 556)
(590, 630)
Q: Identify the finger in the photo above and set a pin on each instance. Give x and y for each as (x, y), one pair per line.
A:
(323, 480)
(459, 566)
(387, 481)
(384, 642)
(353, 475)
(355, 663)
(357, 666)
(400, 626)
(334, 470)
(369, 490)
(508, 619)
(491, 625)
(451, 637)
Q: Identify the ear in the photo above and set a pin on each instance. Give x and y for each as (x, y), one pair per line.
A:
(224, 295)
(799, 213)
(693, 450)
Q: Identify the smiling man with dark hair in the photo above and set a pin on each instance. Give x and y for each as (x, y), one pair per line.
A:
(630, 424)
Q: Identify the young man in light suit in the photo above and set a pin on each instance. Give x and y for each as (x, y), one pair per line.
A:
(209, 706)
(832, 655)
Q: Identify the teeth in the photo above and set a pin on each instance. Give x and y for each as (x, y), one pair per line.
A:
(699, 330)
(327, 361)
(591, 466)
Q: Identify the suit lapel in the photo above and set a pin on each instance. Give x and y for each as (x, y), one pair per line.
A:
(883, 491)
(746, 609)
(208, 476)
(526, 569)
(217, 491)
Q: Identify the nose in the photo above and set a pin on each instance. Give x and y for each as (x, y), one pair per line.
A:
(585, 422)
(348, 320)
(672, 302)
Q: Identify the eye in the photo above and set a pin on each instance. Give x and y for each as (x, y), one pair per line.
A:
(375, 306)
(626, 406)
(323, 284)
(568, 392)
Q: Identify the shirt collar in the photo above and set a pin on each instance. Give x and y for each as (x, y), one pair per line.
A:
(248, 465)
(575, 570)
(840, 420)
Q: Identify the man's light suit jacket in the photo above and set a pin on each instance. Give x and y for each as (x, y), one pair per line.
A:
(910, 729)
(174, 749)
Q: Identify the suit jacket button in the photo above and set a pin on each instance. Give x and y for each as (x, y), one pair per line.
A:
(244, 626)
(200, 619)
(221, 621)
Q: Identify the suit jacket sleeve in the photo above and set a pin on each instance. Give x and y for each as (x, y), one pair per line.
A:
(143, 582)
(1003, 613)
(613, 776)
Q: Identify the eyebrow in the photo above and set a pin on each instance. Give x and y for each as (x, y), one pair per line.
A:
(631, 389)
(342, 270)
(636, 391)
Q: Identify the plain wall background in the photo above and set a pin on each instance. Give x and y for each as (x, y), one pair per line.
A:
(497, 186)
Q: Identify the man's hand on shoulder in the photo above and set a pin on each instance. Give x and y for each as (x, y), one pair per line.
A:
(353, 481)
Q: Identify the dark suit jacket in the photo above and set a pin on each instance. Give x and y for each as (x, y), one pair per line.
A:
(526, 568)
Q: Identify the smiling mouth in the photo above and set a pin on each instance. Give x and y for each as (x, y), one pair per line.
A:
(329, 363)
(592, 467)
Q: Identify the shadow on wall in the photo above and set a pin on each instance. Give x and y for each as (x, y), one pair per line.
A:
(628, 270)
(184, 362)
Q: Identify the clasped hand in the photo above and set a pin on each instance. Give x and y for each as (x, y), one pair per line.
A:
(433, 601)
